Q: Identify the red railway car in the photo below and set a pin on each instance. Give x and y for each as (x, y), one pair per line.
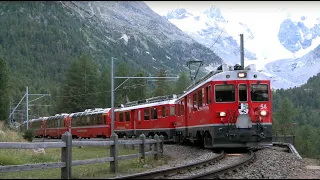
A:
(39, 126)
(91, 123)
(56, 125)
(227, 108)
(151, 116)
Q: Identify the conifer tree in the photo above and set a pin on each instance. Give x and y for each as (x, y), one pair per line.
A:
(182, 83)
(79, 91)
(4, 90)
(162, 87)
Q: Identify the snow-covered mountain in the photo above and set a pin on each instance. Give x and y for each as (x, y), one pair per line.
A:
(295, 71)
(281, 43)
(209, 29)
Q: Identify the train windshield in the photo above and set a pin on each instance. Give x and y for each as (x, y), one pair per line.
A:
(225, 93)
(242, 92)
(259, 92)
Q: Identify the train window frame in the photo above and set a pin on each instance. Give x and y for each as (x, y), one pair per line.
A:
(127, 114)
(121, 117)
(199, 98)
(172, 110)
(154, 113)
(99, 119)
(164, 111)
(215, 94)
(194, 101)
(259, 84)
(182, 108)
(139, 115)
(88, 120)
(94, 119)
(189, 104)
(209, 94)
(247, 99)
(105, 119)
(146, 117)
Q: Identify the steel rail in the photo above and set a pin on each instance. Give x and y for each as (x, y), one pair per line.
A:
(174, 170)
(215, 173)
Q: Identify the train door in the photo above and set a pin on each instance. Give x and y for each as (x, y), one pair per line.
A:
(139, 116)
(243, 120)
(189, 111)
(134, 121)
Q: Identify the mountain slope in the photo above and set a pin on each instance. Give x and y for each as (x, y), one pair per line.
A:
(297, 71)
(39, 39)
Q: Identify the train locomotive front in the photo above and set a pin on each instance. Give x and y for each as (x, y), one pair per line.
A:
(235, 109)
(242, 105)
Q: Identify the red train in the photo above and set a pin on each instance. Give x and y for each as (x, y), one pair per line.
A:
(227, 108)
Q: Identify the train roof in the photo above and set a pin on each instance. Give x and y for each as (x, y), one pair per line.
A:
(172, 101)
(90, 112)
(57, 116)
(221, 75)
(154, 101)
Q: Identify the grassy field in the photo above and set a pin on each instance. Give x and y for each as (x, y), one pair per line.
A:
(101, 170)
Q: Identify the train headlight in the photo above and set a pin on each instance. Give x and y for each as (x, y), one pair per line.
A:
(263, 113)
(222, 114)
(242, 74)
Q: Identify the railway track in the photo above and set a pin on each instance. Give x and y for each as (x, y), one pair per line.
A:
(177, 171)
(216, 173)
(174, 170)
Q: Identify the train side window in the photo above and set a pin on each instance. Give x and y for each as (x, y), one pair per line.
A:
(200, 98)
(127, 116)
(139, 115)
(225, 93)
(88, 120)
(178, 109)
(259, 92)
(73, 122)
(154, 113)
(93, 119)
(189, 104)
(146, 114)
(182, 107)
(121, 117)
(172, 111)
(99, 120)
(208, 94)
(105, 119)
(164, 111)
(195, 108)
(243, 92)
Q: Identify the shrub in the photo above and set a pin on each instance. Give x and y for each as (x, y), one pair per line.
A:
(28, 135)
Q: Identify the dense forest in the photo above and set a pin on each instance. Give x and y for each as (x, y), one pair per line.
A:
(297, 111)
